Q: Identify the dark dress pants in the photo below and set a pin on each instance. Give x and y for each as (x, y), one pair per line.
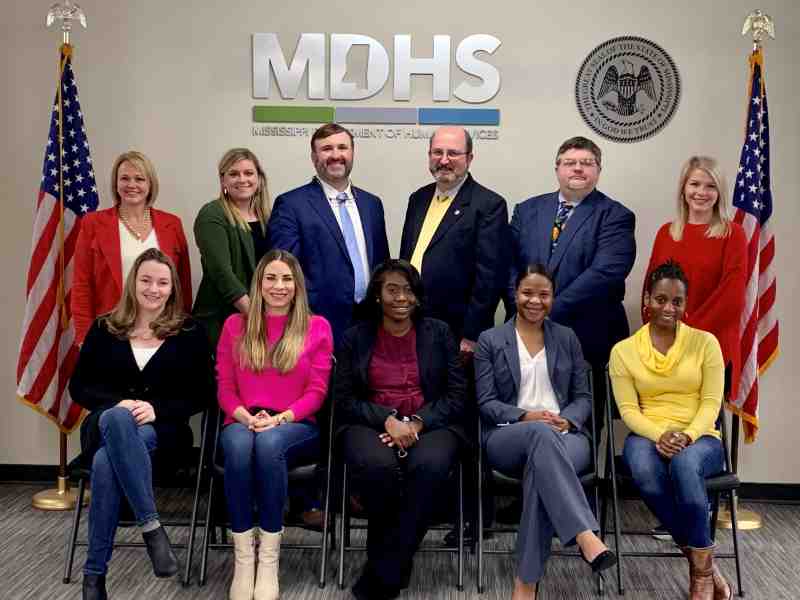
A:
(399, 494)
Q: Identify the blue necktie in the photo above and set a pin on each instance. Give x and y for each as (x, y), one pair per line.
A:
(563, 213)
(350, 241)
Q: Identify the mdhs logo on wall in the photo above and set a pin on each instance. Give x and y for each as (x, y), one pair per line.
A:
(627, 89)
(324, 68)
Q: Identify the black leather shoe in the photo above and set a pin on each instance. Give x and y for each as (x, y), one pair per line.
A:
(451, 537)
(165, 563)
(605, 560)
(94, 587)
(368, 588)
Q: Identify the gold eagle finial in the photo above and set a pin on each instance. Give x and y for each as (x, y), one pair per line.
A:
(760, 24)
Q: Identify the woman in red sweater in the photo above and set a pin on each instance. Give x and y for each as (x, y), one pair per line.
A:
(712, 250)
(273, 366)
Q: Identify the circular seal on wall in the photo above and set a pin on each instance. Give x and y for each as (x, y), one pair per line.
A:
(627, 89)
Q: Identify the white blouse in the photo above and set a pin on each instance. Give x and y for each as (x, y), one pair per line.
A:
(535, 391)
(131, 248)
(143, 355)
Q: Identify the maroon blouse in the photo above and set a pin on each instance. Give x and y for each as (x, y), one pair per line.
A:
(394, 373)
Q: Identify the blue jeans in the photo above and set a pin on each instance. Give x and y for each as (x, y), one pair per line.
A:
(674, 489)
(257, 470)
(120, 467)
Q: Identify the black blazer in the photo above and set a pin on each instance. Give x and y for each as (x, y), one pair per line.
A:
(441, 378)
(177, 380)
(465, 267)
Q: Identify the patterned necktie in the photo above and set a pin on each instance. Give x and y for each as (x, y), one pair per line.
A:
(564, 211)
(349, 233)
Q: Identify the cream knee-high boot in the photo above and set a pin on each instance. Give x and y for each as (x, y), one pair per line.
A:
(244, 565)
(269, 550)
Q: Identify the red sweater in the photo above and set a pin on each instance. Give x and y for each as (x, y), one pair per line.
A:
(717, 272)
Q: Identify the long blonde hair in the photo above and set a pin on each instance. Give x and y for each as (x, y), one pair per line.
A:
(720, 225)
(122, 320)
(260, 201)
(255, 353)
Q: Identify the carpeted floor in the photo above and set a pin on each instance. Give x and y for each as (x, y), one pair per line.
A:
(32, 559)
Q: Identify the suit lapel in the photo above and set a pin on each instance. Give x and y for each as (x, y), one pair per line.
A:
(579, 215)
(546, 216)
(363, 213)
(455, 211)
(512, 352)
(419, 207)
(319, 203)
(551, 353)
(109, 243)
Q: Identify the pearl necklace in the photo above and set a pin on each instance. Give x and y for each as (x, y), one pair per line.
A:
(140, 233)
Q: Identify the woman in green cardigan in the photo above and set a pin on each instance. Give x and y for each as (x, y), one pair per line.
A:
(231, 234)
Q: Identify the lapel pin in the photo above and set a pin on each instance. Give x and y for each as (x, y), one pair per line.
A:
(458, 212)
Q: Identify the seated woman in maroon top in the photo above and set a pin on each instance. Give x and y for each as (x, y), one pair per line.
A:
(400, 390)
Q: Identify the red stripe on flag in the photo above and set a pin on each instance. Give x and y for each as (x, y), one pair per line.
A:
(767, 254)
(43, 245)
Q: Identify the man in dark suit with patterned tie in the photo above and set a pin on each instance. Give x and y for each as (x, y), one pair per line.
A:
(586, 240)
(336, 230)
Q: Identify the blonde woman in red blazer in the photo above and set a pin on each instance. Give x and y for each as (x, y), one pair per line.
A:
(100, 252)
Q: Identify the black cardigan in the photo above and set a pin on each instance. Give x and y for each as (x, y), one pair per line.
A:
(441, 377)
(178, 379)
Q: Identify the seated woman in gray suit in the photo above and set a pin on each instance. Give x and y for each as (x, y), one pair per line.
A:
(534, 400)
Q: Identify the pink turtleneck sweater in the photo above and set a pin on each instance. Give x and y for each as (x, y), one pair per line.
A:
(302, 389)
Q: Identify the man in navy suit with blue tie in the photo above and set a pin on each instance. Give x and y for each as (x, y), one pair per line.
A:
(336, 230)
(586, 240)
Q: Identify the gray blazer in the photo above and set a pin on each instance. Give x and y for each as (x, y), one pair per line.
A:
(497, 375)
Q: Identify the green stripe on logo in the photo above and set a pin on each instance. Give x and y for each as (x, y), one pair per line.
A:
(293, 114)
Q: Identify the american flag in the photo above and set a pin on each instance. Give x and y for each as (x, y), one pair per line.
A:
(48, 352)
(753, 201)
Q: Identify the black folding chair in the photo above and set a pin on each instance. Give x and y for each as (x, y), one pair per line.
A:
(590, 480)
(617, 472)
(187, 468)
(215, 514)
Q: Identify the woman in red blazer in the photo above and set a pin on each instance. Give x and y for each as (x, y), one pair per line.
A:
(712, 250)
(111, 239)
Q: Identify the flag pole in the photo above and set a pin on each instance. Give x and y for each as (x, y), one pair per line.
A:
(61, 498)
(760, 26)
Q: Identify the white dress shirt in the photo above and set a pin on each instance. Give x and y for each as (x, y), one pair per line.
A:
(535, 390)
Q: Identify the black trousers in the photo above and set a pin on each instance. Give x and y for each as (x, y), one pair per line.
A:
(399, 494)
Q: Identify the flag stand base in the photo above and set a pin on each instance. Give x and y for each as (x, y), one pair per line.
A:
(747, 519)
(61, 498)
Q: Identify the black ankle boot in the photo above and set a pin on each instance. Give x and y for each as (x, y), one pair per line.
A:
(165, 563)
(94, 587)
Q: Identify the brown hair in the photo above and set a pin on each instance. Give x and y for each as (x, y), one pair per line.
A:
(121, 321)
(580, 143)
(260, 201)
(327, 131)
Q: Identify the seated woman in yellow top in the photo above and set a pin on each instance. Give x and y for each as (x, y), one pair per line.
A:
(668, 380)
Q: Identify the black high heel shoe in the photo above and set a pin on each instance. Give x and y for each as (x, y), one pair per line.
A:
(605, 560)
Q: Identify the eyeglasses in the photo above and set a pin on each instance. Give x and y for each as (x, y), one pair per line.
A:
(571, 162)
(451, 154)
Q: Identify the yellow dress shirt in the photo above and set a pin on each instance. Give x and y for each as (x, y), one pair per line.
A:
(436, 211)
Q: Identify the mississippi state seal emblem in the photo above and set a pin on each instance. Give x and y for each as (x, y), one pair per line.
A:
(627, 89)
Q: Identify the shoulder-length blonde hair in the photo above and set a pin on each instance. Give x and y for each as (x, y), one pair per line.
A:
(255, 353)
(142, 164)
(122, 320)
(260, 202)
(720, 225)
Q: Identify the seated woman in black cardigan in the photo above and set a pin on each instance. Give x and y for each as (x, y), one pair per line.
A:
(534, 397)
(143, 370)
(400, 390)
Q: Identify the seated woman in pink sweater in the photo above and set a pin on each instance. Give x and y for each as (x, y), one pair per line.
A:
(272, 370)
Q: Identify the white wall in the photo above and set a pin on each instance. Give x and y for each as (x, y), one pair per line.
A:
(174, 78)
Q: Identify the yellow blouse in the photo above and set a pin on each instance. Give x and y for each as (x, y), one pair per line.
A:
(680, 391)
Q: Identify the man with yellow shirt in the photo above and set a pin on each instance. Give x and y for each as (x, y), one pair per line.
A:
(455, 234)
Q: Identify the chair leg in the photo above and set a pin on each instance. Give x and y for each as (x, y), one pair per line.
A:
(617, 526)
(460, 585)
(73, 536)
(735, 530)
(187, 576)
(479, 528)
(208, 533)
(343, 524)
(326, 526)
